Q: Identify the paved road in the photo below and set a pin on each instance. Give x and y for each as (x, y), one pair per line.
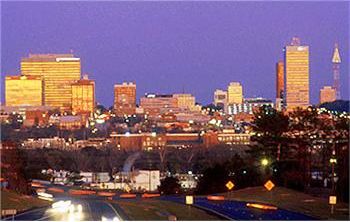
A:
(237, 210)
(94, 208)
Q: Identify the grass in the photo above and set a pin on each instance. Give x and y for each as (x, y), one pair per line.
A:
(293, 201)
(153, 209)
(12, 200)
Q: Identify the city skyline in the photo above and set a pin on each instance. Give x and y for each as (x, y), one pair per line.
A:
(195, 60)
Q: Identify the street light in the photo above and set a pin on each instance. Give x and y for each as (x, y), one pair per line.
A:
(264, 162)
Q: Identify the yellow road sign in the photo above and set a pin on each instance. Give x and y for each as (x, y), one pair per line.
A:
(127, 188)
(269, 185)
(230, 185)
(189, 200)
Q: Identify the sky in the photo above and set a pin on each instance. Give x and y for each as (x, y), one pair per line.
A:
(169, 47)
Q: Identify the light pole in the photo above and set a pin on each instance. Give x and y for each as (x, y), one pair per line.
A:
(333, 161)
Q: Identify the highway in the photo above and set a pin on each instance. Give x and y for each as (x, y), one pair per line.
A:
(81, 208)
(92, 210)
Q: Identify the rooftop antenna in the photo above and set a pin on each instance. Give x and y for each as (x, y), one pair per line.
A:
(295, 41)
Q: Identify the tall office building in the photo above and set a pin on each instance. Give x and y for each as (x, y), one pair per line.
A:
(336, 70)
(220, 98)
(327, 94)
(185, 101)
(125, 99)
(279, 85)
(58, 71)
(23, 91)
(235, 93)
(296, 85)
(83, 96)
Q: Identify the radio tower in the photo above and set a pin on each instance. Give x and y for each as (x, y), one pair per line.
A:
(336, 70)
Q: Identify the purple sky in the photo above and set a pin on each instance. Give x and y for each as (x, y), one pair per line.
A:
(166, 47)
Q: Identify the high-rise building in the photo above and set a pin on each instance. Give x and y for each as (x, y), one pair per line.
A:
(185, 101)
(296, 75)
(327, 94)
(220, 98)
(279, 85)
(83, 96)
(125, 99)
(23, 90)
(336, 70)
(279, 79)
(58, 71)
(234, 93)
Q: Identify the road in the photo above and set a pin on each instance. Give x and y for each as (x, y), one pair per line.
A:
(94, 208)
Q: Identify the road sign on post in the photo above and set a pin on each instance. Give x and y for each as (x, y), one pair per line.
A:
(332, 202)
(230, 185)
(269, 185)
(189, 200)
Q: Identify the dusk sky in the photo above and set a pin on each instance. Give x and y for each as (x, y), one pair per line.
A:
(168, 47)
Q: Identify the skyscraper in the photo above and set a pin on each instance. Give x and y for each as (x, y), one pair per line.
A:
(58, 71)
(336, 70)
(125, 99)
(23, 91)
(327, 94)
(279, 84)
(279, 79)
(234, 93)
(296, 85)
(83, 96)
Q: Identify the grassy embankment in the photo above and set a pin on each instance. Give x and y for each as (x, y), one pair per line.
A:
(153, 209)
(12, 200)
(292, 200)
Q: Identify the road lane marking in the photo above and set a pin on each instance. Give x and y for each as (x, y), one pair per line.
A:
(115, 211)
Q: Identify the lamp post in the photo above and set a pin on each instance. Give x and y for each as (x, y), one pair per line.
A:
(333, 161)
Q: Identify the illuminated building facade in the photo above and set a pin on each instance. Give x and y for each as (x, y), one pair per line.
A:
(279, 85)
(185, 101)
(83, 96)
(235, 93)
(58, 71)
(249, 106)
(296, 75)
(149, 141)
(23, 91)
(220, 98)
(158, 104)
(125, 99)
(327, 94)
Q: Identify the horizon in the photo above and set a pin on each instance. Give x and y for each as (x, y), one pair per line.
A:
(191, 47)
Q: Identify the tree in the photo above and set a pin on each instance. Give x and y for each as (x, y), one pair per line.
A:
(213, 180)
(269, 126)
(169, 185)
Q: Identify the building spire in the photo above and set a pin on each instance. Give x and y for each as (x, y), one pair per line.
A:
(336, 55)
(336, 70)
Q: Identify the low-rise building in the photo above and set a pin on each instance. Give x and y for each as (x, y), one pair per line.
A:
(71, 122)
(249, 105)
(145, 180)
(148, 141)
